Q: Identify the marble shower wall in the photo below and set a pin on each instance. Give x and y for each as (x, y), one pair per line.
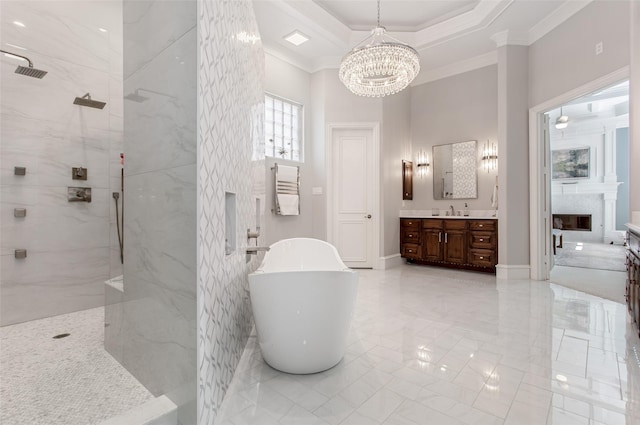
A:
(152, 327)
(68, 244)
(230, 128)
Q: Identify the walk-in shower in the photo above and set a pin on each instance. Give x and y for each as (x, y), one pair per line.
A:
(87, 101)
(29, 71)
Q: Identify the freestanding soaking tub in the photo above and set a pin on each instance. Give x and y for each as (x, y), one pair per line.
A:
(302, 297)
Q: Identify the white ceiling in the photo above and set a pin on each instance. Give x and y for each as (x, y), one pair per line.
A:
(446, 33)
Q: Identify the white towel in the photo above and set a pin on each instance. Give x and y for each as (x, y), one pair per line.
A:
(494, 197)
(287, 173)
(288, 204)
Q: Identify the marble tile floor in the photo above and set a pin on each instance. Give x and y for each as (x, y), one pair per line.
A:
(66, 381)
(444, 347)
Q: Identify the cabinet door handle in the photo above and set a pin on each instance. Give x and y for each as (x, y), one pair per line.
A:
(410, 236)
(480, 225)
(482, 258)
(446, 238)
(481, 240)
(439, 237)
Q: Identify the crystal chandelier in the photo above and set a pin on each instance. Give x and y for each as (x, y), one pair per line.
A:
(380, 65)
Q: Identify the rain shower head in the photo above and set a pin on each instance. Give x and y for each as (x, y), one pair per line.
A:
(87, 101)
(136, 97)
(29, 71)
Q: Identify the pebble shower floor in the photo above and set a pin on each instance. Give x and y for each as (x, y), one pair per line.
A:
(65, 381)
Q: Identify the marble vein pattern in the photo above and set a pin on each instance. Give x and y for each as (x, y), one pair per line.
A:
(157, 315)
(230, 129)
(170, 20)
(66, 381)
(432, 346)
(162, 133)
(67, 243)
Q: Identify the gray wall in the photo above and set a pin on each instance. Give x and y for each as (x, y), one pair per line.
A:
(396, 146)
(634, 112)
(289, 82)
(513, 157)
(565, 58)
(332, 103)
(157, 341)
(622, 171)
(454, 109)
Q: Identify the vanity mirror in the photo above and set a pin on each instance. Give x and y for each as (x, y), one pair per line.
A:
(455, 171)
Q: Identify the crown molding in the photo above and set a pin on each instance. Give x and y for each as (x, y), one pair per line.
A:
(485, 12)
(480, 17)
(565, 11)
(512, 38)
(477, 62)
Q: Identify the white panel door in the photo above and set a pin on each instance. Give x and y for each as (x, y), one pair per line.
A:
(353, 174)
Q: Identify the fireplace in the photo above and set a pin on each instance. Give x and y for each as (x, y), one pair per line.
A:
(579, 222)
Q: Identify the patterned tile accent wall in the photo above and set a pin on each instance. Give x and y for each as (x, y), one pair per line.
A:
(230, 126)
(464, 170)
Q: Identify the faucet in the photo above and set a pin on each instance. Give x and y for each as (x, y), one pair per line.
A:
(253, 250)
(452, 210)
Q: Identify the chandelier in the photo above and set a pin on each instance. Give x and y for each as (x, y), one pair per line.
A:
(380, 65)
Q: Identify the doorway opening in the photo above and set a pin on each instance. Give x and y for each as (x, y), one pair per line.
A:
(581, 173)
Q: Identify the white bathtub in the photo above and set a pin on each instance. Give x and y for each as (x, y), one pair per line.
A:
(302, 297)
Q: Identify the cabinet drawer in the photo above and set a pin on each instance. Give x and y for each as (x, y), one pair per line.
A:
(410, 250)
(455, 224)
(413, 223)
(431, 224)
(480, 239)
(482, 257)
(410, 236)
(482, 224)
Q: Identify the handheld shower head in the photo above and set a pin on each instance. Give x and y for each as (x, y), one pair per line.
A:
(29, 71)
(87, 101)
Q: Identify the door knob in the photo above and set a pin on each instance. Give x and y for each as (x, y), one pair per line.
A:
(367, 216)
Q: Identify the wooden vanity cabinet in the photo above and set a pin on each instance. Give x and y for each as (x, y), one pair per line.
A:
(432, 240)
(454, 247)
(410, 246)
(482, 243)
(460, 243)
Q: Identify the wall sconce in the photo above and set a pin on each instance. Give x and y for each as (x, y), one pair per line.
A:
(422, 162)
(489, 156)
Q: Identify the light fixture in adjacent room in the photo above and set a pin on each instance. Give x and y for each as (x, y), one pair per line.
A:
(380, 65)
(422, 162)
(562, 121)
(296, 38)
(489, 156)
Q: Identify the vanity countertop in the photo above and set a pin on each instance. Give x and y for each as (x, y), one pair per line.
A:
(473, 215)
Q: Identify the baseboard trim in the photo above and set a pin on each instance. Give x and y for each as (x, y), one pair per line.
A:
(516, 272)
(389, 262)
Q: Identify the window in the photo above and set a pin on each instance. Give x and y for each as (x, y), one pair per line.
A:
(282, 128)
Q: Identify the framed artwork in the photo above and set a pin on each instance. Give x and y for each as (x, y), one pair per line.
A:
(570, 163)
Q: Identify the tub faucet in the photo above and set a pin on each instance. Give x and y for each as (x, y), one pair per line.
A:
(253, 250)
(453, 212)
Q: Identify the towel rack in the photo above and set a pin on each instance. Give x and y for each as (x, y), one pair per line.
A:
(286, 184)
